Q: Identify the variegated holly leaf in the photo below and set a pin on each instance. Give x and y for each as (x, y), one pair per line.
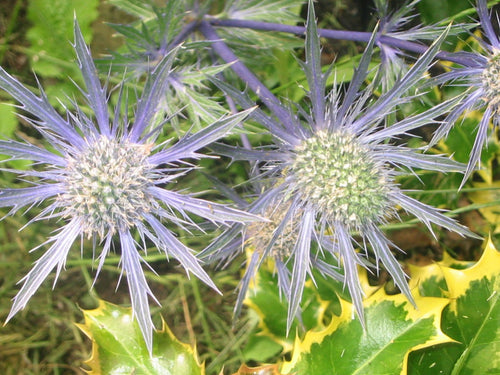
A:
(394, 328)
(118, 346)
(488, 193)
(264, 298)
(260, 370)
(472, 319)
(428, 280)
(320, 301)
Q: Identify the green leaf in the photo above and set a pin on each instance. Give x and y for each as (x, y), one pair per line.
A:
(7, 129)
(261, 348)
(9, 120)
(52, 32)
(51, 53)
(393, 329)
(435, 11)
(261, 370)
(272, 308)
(118, 346)
(472, 319)
(474, 314)
(434, 360)
(139, 8)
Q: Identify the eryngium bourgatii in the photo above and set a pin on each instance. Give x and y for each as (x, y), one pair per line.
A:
(105, 178)
(480, 75)
(330, 178)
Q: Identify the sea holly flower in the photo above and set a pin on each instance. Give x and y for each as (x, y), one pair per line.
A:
(329, 181)
(479, 72)
(105, 179)
(394, 24)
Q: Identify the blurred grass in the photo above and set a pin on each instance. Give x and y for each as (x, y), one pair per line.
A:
(42, 339)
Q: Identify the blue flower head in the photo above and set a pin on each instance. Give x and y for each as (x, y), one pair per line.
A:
(329, 180)
(394, 24)
(106, 179)
(480, 72)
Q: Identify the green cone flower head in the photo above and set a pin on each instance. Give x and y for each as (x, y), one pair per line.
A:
(336, 173)
(107, 186)
(491, 82)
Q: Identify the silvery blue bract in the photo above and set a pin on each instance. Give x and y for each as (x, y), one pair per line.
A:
(105, 178)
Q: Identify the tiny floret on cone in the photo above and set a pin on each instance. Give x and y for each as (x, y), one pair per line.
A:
(107, 186)
(341, 178)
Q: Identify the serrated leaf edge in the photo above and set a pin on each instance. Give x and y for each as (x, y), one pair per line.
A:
(459, 281)
(426, 307)
(94, 363)
(265, 331)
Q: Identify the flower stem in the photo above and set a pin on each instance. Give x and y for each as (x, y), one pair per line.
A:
(183, 34)
(223, 50)
(357, 36)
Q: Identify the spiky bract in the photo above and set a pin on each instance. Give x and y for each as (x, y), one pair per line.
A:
(479, 74)
(105, 179)
(330, 177)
